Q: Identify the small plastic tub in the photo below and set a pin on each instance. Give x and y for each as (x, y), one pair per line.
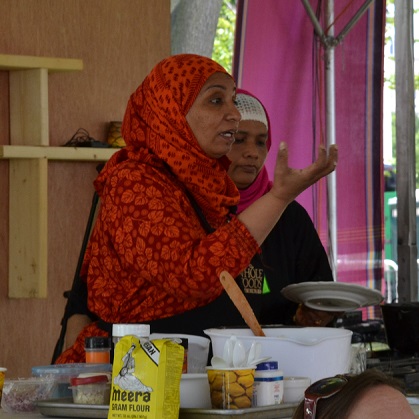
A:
(95, 389)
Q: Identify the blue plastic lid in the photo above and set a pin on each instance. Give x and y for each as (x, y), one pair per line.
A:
(263, 366)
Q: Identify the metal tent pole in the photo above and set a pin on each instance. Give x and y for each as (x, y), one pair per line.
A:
(329, 64)
(329, 42)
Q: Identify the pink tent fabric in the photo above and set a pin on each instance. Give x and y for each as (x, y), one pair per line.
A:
(277, 59)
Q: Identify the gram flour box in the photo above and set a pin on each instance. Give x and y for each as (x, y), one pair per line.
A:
(146, 379)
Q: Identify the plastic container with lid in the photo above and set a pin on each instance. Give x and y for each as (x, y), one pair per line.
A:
(268, 387)
(98, 350)
(141, 331)
(94, 389)
(63, 373)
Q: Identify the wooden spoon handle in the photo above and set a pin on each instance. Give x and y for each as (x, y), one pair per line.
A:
(239, 300)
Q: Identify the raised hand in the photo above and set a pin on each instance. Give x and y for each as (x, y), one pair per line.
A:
(289, 183)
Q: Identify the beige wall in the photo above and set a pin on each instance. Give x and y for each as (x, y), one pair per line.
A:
(119, 41)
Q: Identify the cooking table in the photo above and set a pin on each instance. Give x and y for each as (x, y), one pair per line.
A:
(287, 415)
(4, 415)
(283, 413)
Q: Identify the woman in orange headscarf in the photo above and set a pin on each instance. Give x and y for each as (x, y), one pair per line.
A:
(166, 229)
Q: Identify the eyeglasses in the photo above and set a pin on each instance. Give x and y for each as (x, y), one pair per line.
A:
(322, 389)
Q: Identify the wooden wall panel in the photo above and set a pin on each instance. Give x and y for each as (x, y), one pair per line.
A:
(119, 41)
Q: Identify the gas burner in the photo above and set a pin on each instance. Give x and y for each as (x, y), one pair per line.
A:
(412, 381)
(404, 368)
(402, 371)
(392, 363)
(364, 331)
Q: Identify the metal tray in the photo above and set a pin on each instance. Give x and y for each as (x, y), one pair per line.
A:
(282, 411)
(65, 408)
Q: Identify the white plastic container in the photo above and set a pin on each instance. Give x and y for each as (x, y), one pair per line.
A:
(315, 352)
(119, 330)
(294, 388)
(129, 329)
(195, 391)
(268, 388)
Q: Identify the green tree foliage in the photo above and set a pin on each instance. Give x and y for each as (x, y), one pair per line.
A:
(224, 37)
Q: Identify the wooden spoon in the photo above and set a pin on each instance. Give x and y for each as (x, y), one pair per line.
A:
(239, 300)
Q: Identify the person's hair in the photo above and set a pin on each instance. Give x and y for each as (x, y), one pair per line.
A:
(340, 404)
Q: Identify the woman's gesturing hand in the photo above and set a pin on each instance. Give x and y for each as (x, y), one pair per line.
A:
(289, 183)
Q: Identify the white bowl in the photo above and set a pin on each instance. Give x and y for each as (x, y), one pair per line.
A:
(294, 388)
(198, 348)
(314, 352)
(195, 391)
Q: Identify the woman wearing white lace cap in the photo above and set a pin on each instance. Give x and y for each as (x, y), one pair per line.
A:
(292, 252)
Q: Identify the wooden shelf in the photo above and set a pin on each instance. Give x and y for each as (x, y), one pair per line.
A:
(27, 62)
(56, 153)
(28, 155)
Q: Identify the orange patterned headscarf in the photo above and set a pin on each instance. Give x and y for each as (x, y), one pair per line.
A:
(155, 124)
